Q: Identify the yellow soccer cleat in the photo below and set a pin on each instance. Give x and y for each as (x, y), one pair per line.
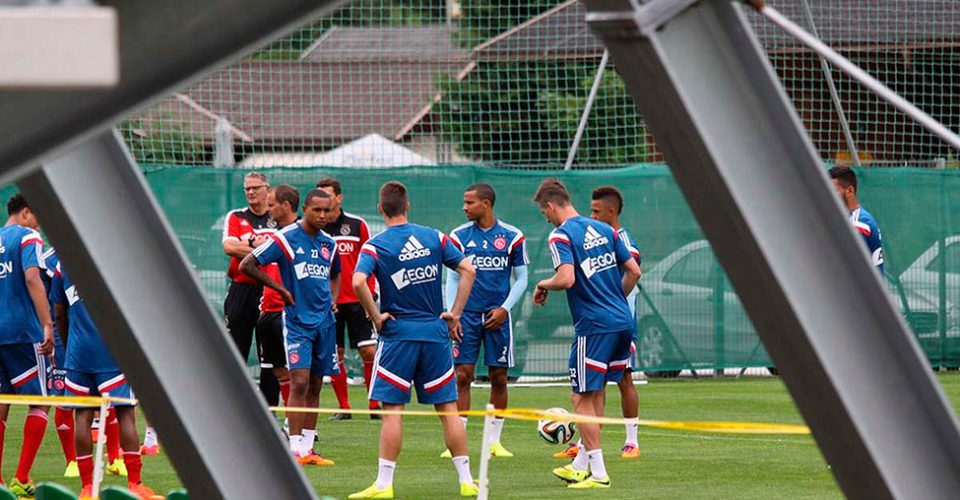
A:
(630, 452)
(590, 483)
(497, 450)
(446, 454)
(374, 492)
(569, 474)
(469, 489)
(117, 468)
(72, 470)
(22, 490)
(570, 452)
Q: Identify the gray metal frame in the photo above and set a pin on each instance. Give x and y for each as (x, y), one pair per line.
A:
(97, 210)
(752, 178)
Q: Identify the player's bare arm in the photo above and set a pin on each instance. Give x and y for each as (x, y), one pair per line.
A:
(631, 275)
(334, 290)
(241, 248)
(563, 279)
(39, 296)
(251, 267)
(63, 321)
(359, 284)
(452, 317)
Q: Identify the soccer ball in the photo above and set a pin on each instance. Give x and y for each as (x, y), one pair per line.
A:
(555, 432)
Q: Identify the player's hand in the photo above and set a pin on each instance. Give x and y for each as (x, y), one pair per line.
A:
(46, 347)
(453, 325)
(287, 297)
(334, 307)
(260, 239)
(382, 318)
(540, 296)
(495, 319)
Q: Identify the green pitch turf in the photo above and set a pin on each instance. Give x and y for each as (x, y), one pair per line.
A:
(674, 464)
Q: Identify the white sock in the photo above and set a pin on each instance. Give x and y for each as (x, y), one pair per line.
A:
(496, 427)
(150, 437)
(295, 444)
(464, 420)
(385, 473)
(580, 462)
(632, 424)
(597, 469)
(462, 464)
(306, 443)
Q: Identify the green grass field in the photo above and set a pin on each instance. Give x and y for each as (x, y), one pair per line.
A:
(674, 464)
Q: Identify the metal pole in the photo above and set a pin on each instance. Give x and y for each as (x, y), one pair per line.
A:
(585, 116)
(868, 81)
(96, 208)
(755, 182)
(828, 76)
(485, 454)
(101, 439)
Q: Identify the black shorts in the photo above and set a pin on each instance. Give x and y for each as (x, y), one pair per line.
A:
(352, 318)
(270, 334)
(241, 308)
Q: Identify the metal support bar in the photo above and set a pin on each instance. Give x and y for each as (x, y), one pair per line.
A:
(164, 44)
(585, 116)
(98, 211)
(740, 155)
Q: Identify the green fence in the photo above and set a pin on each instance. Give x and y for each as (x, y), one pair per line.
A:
(689, 317)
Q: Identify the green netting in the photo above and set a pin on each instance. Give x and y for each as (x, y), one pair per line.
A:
(504, 83)
(689, 317)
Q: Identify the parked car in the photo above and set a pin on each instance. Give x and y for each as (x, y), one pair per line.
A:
(684, 323)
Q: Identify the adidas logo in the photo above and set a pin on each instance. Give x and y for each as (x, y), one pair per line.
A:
(300, 251)
(413, 249)
(593, 239)
(471, 244)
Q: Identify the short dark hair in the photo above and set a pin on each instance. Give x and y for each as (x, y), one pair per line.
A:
(315, 193)
(16, 204)
(329, 182)
(845, 176)
(552, 191)
(609, 194)
(285, 193)
(484, 192)
(393, 199)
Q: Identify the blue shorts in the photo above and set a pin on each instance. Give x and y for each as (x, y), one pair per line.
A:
(497, 344)
(400, 364)
(57, 375)
(23, 370)
(311, 347)
(81, 383)
(598, 359)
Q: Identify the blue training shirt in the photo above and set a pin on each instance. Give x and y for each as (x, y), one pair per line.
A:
(21, 248)
(406, 261)
(494, 252)
(307, 263)
(86, 351)
(596, 299)
(632, 296)
(866, 225)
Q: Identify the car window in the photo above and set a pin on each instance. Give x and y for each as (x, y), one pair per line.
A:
(697, 268)
(952, 253)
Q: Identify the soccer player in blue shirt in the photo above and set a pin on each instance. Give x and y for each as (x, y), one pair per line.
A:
(497, 250)
(413, 348)
(594, 266)
(92, 371)
(845, 183)
(57, 376)
(606, 205)
(26, 331)
(310, 274)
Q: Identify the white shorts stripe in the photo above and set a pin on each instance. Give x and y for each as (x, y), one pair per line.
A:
(110, 382)
(376, 367)
(389, 375)
(439, 380)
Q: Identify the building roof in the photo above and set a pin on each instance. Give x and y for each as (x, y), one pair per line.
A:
(434, 43)
(562, 32)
